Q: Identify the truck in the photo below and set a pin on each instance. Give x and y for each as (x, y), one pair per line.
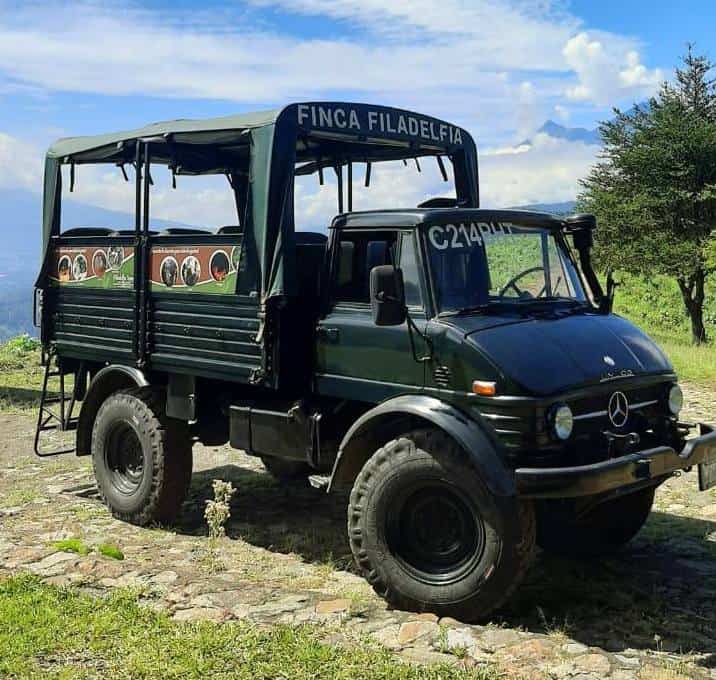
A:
(458, 369)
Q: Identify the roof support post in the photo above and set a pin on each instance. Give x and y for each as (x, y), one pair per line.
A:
(350, 187)
(339, 178)
(142, 261)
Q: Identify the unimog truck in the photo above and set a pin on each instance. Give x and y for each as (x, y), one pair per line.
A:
(459, 369)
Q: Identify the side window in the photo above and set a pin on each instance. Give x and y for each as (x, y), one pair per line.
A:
(411, 274)
(358, 253)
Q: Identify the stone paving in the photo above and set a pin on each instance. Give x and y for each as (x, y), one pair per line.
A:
(647, 613)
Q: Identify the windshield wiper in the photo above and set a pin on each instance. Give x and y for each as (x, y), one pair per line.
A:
(472, 309)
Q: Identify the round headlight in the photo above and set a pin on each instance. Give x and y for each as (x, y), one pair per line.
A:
(676, 400)
(562, 421)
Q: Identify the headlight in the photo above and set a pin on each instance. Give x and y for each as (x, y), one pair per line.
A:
(561, 420)
(676, 399)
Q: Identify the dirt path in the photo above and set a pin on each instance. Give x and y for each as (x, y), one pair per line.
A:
(650, 612)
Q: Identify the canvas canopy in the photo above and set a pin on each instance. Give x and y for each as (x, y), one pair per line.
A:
(261, 153)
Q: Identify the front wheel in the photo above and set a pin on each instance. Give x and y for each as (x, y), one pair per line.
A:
(604, 529)
(429, 536)
(142, 459)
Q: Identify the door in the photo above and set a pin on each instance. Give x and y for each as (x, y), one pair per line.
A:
(356, 359)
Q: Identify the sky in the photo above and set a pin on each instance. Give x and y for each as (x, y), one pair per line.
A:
(499, 68)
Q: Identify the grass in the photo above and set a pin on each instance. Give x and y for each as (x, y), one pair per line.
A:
(654, 304)
(74, 545)
(51, 632)
(110, 550)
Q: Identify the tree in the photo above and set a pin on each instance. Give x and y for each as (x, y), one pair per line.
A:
(654, 188)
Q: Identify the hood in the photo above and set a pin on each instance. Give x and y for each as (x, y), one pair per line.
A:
(550, 355)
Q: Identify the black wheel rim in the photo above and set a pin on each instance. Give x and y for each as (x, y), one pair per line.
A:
(124, 458)
(436, 532)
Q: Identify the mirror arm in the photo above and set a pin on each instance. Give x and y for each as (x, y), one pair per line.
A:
(412, 328)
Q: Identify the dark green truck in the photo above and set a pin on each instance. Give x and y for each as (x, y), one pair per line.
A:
(458, 369)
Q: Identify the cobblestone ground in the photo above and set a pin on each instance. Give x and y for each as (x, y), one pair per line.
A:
(647, 613)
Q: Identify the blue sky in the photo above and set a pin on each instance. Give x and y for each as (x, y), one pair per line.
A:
(498, 67)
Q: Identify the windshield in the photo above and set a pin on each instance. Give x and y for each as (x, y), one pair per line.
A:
(476, 264)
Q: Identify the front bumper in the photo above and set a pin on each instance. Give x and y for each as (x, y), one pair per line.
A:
(632, 469)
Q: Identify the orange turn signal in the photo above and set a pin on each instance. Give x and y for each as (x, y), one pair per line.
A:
(484, 388)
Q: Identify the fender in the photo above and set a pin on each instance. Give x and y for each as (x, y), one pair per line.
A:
(480, 445)
(106, 381)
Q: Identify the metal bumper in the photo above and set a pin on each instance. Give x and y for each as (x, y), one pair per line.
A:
(632, 469)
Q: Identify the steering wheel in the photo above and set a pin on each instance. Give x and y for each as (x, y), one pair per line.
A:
(512, 283)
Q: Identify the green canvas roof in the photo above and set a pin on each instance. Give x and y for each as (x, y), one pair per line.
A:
(259, 151)
(217, 130)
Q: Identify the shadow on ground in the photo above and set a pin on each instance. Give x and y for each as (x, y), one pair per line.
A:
(659, 593)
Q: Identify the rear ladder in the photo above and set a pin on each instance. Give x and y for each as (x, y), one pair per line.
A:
(49, 420)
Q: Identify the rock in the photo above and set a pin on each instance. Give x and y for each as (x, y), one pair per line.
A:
(427, 616)
(623, 675)
(534, 651)
(201, 614)
(459, 638)
(333, 606)
(630, 661)
(494, 638)
(164, 578)
(388, 636)
(53, 564)
(593, 663)
(413, 630)
(423, 656)
(575, 648)
(9, 512)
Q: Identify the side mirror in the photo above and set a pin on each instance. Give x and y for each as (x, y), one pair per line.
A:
(387, 296)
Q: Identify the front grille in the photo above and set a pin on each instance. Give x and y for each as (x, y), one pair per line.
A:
(645, 403)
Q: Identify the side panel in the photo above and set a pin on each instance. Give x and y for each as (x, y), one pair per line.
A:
(90, 299)
(205, 335)
(197, 322)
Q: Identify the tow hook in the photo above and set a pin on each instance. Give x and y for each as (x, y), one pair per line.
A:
(618, 442)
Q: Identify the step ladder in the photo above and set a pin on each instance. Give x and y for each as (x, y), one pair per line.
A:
(59, 418)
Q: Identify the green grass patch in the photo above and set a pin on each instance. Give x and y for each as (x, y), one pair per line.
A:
(20, 374)
(52, 632)
(74, 545)
(654, 304)
(110, 550)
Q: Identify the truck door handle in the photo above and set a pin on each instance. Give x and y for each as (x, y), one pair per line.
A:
(330, 334)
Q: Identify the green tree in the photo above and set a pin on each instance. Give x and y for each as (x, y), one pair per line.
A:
(654, 188)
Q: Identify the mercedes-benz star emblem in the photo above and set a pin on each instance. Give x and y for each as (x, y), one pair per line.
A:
(618, 409)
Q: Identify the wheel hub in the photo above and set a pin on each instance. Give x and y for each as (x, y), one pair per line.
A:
(436, 533)
(124, 458)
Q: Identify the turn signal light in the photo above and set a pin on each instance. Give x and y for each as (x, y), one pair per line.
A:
(484, 388)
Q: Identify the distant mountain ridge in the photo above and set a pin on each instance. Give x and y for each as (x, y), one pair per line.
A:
(571, 134)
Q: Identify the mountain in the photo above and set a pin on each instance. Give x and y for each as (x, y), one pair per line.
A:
(563, 208)
(572, 134)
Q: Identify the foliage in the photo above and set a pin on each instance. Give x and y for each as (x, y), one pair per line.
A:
(52, 632)
(74, 545)
(110, 550)
(217, 511)
(654, 190)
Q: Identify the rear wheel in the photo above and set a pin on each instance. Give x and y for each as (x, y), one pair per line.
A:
(286, 470)
(604, 529)
(429, 536)
(142, 460)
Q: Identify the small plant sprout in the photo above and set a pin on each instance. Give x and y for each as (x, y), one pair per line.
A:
(217, 511)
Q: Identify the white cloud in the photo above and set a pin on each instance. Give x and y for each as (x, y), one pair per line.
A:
(21, 164)
(465, 60)
(546, 172)
(607, 70)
